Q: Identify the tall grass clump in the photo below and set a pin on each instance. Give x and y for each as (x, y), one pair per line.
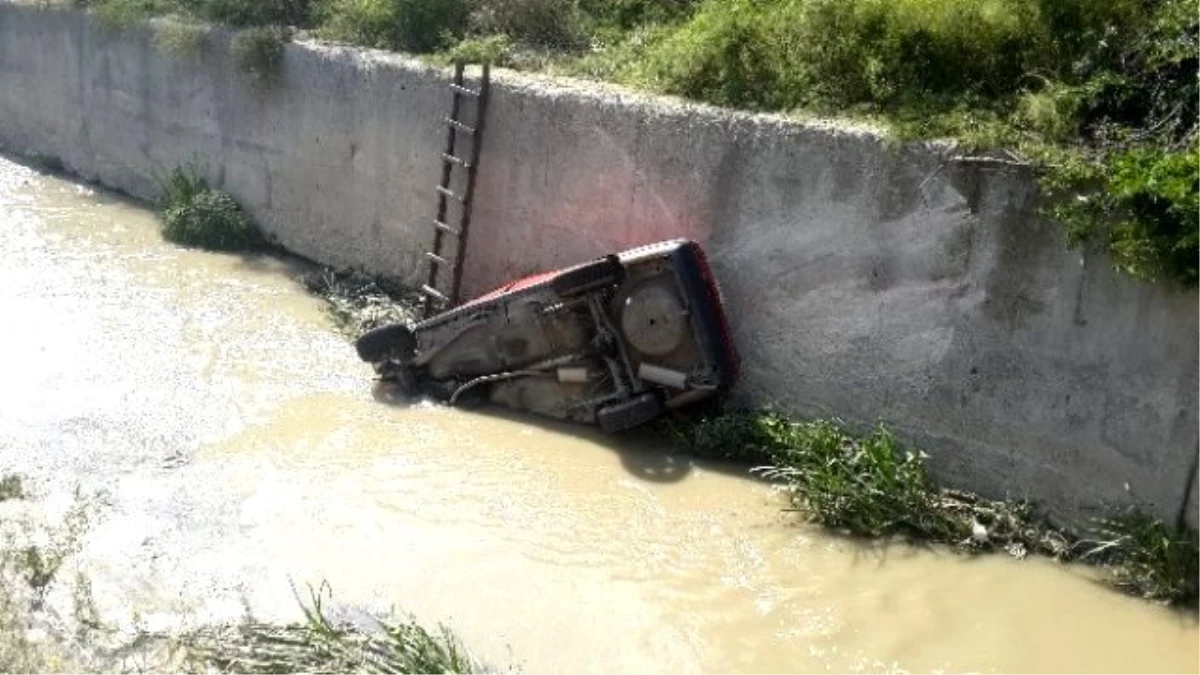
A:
(865, 485)
(1149, 558)
(319, 645)
(193, 214)
(869, 485)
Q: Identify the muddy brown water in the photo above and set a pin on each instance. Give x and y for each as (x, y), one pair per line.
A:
(239, 452)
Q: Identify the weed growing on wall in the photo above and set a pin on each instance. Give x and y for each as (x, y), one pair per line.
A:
(193, 214)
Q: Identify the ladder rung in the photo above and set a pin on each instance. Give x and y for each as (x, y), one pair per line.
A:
(436, 258)
(452, 195)
(457, 160)
(460, 126)
(434, 293)
(463, 90)
(449, 229)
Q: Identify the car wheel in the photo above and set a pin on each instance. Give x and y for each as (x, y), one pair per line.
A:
(403, 377)
(597, 274)
(394, 341)
(629, 414)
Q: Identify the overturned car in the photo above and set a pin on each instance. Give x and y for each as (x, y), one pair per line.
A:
(613, 342)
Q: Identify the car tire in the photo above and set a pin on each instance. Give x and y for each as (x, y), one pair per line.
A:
(394, 341)
(403, 377)
(625, 415)
(597, 274)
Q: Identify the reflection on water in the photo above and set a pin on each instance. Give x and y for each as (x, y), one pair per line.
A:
(244, 449)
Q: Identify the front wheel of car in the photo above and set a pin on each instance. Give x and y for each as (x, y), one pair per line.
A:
(395, 341)
(403, 377)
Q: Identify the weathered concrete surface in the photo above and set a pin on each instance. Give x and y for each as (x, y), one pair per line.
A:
(859, 285)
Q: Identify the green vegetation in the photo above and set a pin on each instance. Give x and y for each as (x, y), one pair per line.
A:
(193, 214)
(11, 487)
(1150, 558)
(182, 38)
(865, 485)
(31, 555)
(319, 645)
(48, 163)
(1099, 97)
(358, 302)
(871, 486)
(258, 51)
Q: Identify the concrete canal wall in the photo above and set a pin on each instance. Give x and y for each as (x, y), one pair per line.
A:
(864, 280)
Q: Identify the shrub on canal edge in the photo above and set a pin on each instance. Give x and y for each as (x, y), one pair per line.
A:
(870, 486)
(195, 215)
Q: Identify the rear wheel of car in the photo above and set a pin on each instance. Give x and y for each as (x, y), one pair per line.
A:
(394, 341)
(625, 415)
(589, 277)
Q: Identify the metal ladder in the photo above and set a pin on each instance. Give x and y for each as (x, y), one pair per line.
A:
(444, 232)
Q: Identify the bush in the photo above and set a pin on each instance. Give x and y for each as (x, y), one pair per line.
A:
(258, 51)
(195, 215)
(181, 39)
(252, 12)
(120, 14)
(494, 49)
(880, 53)
(410, 25)
(1160, 233)
(551, 24)
(631, 14)
(729, 54)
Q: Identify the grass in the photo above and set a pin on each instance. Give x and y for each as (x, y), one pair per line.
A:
(1149, 558)
(195, 215)
(31, 556)
(871, 486)
(319, 645)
